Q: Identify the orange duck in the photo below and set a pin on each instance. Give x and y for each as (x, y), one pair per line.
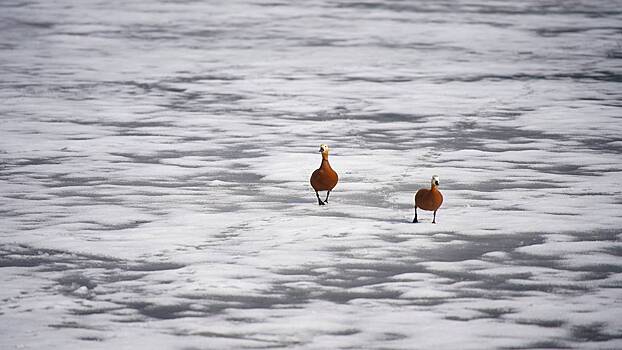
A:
(324, 178)
(429, 199)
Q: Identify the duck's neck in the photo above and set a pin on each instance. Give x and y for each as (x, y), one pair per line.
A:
(325, 160)
(434, 188)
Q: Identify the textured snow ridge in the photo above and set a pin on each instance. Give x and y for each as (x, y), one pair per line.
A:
(155, 157)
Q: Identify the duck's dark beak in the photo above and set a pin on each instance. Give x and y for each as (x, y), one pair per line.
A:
(436, 182)
(321, 150)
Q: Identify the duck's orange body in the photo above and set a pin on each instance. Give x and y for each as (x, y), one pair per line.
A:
(429, 199)
(324, 178)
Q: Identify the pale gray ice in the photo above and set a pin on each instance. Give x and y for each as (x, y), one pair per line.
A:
(155, 158)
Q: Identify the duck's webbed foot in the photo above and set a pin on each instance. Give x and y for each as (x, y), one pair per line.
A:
(319, 201)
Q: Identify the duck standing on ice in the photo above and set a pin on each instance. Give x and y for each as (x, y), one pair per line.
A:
(429, 199)
(324, 178)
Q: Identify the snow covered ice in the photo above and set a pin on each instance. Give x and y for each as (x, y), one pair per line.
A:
(155, 158)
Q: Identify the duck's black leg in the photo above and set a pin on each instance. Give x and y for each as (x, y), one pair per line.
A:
(415, 219)
(326, 200)
(434, 220)
(319, 201)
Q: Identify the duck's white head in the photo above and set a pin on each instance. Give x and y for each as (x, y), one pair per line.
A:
(324, 149)
(435, 181)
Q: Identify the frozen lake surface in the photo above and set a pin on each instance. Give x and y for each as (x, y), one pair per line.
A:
(155, 157)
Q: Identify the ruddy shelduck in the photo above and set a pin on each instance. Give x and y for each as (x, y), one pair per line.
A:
(324, 178)
(429, 199)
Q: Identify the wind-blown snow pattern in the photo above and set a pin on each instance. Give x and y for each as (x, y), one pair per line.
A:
(155, 159)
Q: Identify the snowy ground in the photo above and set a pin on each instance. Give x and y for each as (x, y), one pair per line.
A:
(155, 156)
